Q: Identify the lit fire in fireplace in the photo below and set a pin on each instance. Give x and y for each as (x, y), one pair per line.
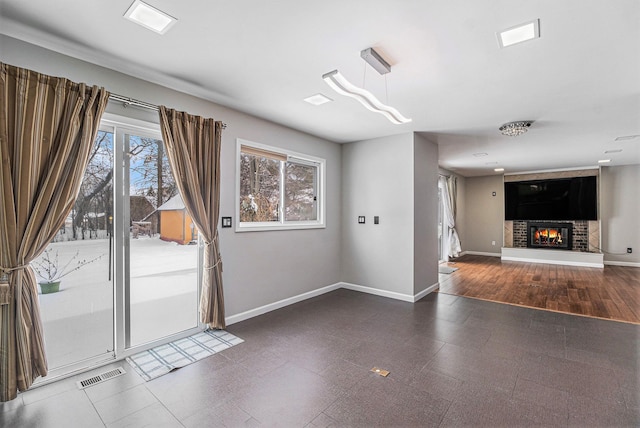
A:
(548, 236)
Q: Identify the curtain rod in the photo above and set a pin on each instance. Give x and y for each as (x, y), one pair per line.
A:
(127, 101)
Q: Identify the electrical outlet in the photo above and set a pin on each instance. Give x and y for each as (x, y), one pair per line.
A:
(629, 250)
(493, 242)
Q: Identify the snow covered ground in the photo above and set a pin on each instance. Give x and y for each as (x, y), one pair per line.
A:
(78, 319)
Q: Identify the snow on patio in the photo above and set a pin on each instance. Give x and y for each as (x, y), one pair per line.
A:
(77, 320)
(159, 269)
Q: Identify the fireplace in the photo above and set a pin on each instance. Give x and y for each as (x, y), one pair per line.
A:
(550, 235)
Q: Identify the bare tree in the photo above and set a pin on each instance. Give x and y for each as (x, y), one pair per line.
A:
(96, 188)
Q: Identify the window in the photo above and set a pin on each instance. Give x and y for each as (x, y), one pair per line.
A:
(278, 189)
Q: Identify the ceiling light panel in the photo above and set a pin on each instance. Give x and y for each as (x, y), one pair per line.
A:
(604, 161)
(318, 99)
(149, 17)
(519, 33)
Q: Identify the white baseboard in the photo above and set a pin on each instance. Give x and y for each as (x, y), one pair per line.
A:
(377, 292)
(552, 262)
(279, 304)
(390, 294)
(481, 253)
(627, 264)
(304, 296)
(426, 291)
(553, 257)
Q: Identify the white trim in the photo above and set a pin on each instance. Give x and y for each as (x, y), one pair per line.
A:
(577, 168)
(426, 291)
(314, 293)
(627, 264)
(390, 294)
(552, 262)
(480, 253)
(377, 292)
(279, 304)
(137, 125)
(553, 257)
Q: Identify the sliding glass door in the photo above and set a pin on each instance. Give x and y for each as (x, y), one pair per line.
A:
(160, 244)
(126, 261)
(75, 271)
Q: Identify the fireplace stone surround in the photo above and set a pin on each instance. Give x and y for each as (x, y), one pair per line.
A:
(585, 235)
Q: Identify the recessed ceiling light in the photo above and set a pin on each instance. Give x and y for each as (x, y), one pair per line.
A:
(498, 169)
(604, 161)
(149, 17)
(613, 151)
(627, 137)
(520, 33)
(479, 155)
(317, 99)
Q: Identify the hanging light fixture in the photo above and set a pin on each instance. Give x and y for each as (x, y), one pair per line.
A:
(513, 129)
(342, 86)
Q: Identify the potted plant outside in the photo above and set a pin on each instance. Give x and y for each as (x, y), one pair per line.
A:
(50, 273)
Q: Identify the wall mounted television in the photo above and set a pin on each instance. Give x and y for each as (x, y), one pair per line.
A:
(554, 199)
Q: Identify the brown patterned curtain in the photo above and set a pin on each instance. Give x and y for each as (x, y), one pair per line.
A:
(193, 148)
(47, 128)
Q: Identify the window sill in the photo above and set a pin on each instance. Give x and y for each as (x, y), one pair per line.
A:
(244, 227)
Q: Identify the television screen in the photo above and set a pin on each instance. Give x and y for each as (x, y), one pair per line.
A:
(556, 199)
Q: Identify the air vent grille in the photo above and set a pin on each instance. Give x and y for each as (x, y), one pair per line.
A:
(102, 377)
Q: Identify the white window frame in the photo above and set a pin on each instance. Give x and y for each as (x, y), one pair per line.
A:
(282, 224)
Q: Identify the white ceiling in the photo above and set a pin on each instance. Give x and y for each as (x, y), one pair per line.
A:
(579, 82)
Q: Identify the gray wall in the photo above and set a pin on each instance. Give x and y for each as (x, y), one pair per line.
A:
(483, 214)
(377, 179)
(425, 210)
(395, 178)
(259, 267)
(620, 212)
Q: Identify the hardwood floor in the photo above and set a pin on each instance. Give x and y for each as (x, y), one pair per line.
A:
(611, 293)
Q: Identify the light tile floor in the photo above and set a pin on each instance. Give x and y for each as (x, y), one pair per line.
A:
(453, 361)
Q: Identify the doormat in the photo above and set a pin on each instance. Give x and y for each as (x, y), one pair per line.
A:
(446, 269)
(164, 359)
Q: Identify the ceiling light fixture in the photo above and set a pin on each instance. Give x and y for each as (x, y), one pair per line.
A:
(604, 161)
(513, 129)
(342, 86)
(613, 151)
(374, 59)
(149, 17)
(318, 99)
(498, 169)
(520, 33)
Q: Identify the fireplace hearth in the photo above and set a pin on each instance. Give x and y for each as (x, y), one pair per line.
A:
(550, 235)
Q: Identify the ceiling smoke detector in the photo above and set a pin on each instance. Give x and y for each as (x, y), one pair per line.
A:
(513, 129)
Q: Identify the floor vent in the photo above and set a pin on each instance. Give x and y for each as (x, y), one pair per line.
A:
(102, 377)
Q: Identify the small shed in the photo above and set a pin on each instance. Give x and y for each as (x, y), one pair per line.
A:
(175, 223)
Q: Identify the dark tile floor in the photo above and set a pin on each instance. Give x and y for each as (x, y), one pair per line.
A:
(454, 361)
